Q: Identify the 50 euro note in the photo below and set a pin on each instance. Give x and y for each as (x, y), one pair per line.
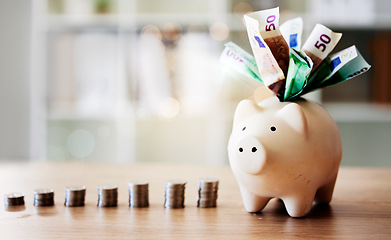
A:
(337, 68)
(270, 50)
(320, 43)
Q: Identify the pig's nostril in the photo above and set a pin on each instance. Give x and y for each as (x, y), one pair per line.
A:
(240, 149)
(254, 149)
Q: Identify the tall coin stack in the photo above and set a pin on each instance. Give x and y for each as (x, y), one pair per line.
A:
(13, 199)
(138, 194)
(107, 196)
(207, 192)
(75, 196)
(43, 197)
(175, 194)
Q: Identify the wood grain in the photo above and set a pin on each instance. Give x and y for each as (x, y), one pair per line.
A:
(361, 207)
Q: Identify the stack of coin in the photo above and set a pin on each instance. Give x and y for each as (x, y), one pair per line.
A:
(74, 196)
(207, 192)
(13, 199)
(107, 196)
(43, 197)
(175, 194)
(138, 194)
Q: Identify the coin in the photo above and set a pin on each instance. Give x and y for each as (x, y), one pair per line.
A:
(107, 195)
(207, 192)
(138, 194)
(14, 199)
(175, 194)
(75, 196)
(43, 197)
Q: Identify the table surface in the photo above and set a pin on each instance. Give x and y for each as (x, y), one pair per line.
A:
(360, 209)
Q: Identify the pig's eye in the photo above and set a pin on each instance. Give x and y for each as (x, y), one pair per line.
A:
(273, 128)
(243, 128)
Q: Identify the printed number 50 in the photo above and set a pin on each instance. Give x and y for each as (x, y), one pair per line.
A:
(321, 45)
(270, 20)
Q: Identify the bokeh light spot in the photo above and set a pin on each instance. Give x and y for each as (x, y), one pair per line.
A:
(81, 143)
(219, 31)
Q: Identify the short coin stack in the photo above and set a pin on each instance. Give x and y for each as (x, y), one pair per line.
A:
(107, 196)
(13, 199)
(43, 197)
(138, 194)
(207, 192)
(175, 194)
(75, 196)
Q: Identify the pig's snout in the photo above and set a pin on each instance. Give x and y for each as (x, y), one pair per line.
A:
(250, 155)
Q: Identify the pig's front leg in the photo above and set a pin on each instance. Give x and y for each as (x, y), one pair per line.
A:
(253, 202)
(299, 205)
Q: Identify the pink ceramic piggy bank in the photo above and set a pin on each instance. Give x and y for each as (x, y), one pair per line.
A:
(286, 150)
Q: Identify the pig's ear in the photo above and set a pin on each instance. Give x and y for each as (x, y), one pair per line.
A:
(294, 116)
(245, 109)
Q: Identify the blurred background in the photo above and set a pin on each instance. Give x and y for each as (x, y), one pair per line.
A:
(140, 80)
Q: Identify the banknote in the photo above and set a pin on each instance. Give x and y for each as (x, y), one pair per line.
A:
(337, 68)
(292, 30)
(269, 68)
(299, 71)
(270, 31)
(239, 60)
(320, 43)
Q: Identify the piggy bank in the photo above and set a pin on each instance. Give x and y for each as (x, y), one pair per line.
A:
(286, 150)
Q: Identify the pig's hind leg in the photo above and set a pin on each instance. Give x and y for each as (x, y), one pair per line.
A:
(253, 202)
(299, 204)
(325, 193)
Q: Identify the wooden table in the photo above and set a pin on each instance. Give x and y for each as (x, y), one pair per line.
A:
(361, 207)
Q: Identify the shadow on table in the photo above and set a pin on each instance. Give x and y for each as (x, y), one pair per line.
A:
(276, 207)
(46, 211)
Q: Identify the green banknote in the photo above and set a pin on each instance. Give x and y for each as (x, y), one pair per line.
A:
(239, 60)
(338, 68)
(298, 72)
